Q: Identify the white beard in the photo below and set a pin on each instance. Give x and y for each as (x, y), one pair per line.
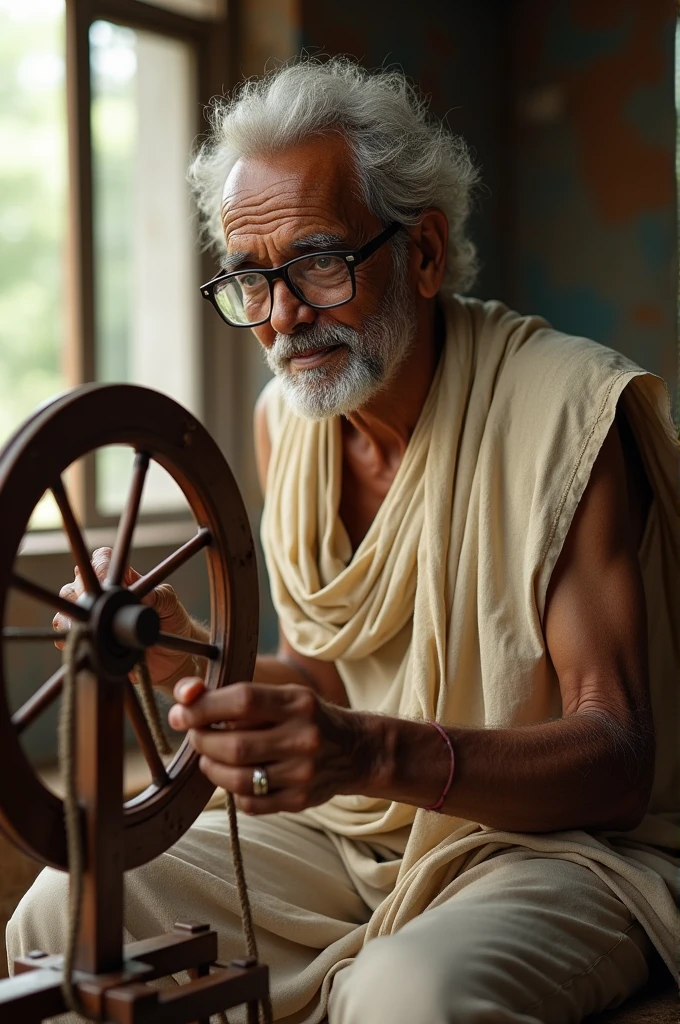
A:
(371, 357)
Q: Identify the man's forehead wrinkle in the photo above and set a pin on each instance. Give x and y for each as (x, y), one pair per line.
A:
(271, 207)
(244, 229)
(249, 169)
(273, 212)
(289, 189)
(276, 226)
(288, 179)
(278, 208)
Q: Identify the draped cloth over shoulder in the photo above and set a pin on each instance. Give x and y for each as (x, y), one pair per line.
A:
(438, 613)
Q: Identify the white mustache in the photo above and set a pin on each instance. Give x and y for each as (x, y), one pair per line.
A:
(318, 338)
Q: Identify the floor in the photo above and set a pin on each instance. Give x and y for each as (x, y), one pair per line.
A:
(658, 1004)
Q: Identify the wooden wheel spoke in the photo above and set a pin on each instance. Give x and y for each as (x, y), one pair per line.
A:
(76, 539)
(144, 736)
(145, 584)
(38, 593)
(39, 701)
(128, 521)
(188, 646)
(30, 633)
(43, 697)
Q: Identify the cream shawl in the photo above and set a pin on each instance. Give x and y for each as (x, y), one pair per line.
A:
(438, 613)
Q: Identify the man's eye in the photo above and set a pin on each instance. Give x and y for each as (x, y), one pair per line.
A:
(250, 280)
(324, 262)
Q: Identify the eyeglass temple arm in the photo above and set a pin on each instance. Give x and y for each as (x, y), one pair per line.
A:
(372, 246)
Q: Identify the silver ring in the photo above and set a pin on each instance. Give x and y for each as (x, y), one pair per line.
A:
(260, 782)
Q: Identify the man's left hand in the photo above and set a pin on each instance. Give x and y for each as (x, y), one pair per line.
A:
(310, 750)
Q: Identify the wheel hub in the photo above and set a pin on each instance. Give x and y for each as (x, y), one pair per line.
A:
(121, 629)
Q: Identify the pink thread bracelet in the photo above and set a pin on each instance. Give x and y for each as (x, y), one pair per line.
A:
(447, 787)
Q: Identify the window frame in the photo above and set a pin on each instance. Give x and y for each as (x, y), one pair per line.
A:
(210, 40)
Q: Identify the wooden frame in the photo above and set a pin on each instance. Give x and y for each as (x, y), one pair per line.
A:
(209, 39)
(115, 627)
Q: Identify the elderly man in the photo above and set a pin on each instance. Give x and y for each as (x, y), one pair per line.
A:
(453, 809)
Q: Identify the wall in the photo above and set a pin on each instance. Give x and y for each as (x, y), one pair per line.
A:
(569, 107)
(454, 52)
(594, 242)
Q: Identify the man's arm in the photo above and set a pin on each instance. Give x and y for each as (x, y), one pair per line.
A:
(594, 766)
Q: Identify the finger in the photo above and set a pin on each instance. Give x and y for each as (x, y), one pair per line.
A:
(189, 689)
(101, 559)
(165, 600)
(77, 588)
(255, 703)
(291, 800)
(287, 775)
(130, 576)
(61, 621)
(255, 747)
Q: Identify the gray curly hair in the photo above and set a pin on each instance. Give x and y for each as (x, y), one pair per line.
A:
(406, 160)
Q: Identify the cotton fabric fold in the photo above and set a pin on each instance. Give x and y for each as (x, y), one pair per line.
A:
(438, 614)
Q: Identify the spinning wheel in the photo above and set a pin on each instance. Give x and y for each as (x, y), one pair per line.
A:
(117, 628)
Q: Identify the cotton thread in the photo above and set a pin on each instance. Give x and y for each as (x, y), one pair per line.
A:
(72, 820)
(72, 817)
(150, 708)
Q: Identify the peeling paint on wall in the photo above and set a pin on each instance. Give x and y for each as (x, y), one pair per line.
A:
(569, 107)
(596, 246)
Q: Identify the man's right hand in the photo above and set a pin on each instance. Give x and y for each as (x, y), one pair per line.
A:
(165, 667)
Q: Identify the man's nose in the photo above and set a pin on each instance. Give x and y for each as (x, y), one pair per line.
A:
(288, 311)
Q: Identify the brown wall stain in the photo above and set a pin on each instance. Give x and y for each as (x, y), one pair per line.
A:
(610, 146)
(647, 315)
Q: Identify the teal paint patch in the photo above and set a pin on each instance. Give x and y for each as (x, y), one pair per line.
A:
(655, 240)
(580, 311)
(570, 45)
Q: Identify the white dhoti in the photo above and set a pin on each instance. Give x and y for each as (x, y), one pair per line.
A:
(522, 937)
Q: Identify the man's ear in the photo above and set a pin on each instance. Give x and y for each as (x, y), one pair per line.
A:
(431, 236)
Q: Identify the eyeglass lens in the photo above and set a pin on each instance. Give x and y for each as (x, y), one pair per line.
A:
(321, 280)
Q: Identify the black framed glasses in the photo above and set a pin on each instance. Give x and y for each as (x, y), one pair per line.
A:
(244, 298)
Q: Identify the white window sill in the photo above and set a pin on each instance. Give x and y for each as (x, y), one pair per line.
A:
(147, 535)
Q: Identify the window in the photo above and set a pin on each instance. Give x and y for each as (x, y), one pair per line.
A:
(100, 101)
(33, 206)
(147, 315)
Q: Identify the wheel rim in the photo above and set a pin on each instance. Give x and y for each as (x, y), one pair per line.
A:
(34, 460)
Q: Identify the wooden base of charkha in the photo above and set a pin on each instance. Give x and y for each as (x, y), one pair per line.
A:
(123, 997)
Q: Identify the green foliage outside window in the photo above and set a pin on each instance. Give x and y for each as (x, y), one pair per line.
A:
(33, 187)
